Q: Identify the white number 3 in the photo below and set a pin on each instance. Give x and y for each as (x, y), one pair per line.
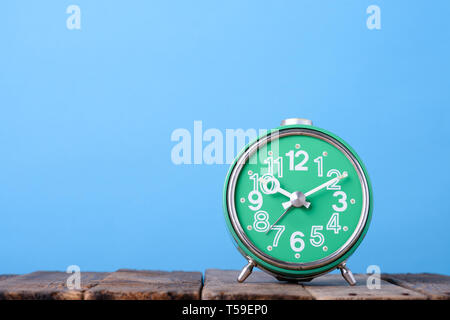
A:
(342, 201)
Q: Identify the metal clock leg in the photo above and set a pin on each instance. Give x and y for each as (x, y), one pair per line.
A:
(246, 271)
(347, 274)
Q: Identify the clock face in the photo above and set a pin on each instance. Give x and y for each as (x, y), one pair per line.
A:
(299, 198)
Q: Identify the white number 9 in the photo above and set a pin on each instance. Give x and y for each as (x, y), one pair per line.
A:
(257, 203)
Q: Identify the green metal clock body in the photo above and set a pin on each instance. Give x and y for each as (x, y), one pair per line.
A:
(298, 202)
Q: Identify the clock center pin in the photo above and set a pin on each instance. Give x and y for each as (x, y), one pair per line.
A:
(298, 199)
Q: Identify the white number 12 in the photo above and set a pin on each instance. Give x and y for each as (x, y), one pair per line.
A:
(300, 166)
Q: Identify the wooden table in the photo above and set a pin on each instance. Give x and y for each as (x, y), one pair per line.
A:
(217, 284)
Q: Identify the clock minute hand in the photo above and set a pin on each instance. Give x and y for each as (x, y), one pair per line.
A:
(326, 184)
(323, 185)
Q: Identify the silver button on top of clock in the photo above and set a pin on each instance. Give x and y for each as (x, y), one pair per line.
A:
(291, 121)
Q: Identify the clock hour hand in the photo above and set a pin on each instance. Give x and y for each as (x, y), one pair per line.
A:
(276, 188)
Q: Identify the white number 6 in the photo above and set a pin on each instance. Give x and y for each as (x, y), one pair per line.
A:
(296, 238)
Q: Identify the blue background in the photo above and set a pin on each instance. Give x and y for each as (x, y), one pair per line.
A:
(86, 116)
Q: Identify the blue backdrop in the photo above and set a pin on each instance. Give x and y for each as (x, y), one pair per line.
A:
(86, 117)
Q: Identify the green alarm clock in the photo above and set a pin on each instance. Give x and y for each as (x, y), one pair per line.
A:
(298, 202)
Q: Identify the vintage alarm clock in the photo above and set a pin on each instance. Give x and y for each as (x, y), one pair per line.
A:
(297, 202)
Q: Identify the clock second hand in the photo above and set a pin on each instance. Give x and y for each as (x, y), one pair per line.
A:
(287, 209)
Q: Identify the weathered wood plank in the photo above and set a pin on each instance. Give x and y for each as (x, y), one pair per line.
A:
(45, 285)
(435, 286)
(6, 276)
(222, 285)
(147, 285)
(334, 287)
(219, 284)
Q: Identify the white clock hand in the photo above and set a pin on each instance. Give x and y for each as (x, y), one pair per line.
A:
(323, 185)
(287, 209)
(283, 192)
(326, 184)
(276, 188)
